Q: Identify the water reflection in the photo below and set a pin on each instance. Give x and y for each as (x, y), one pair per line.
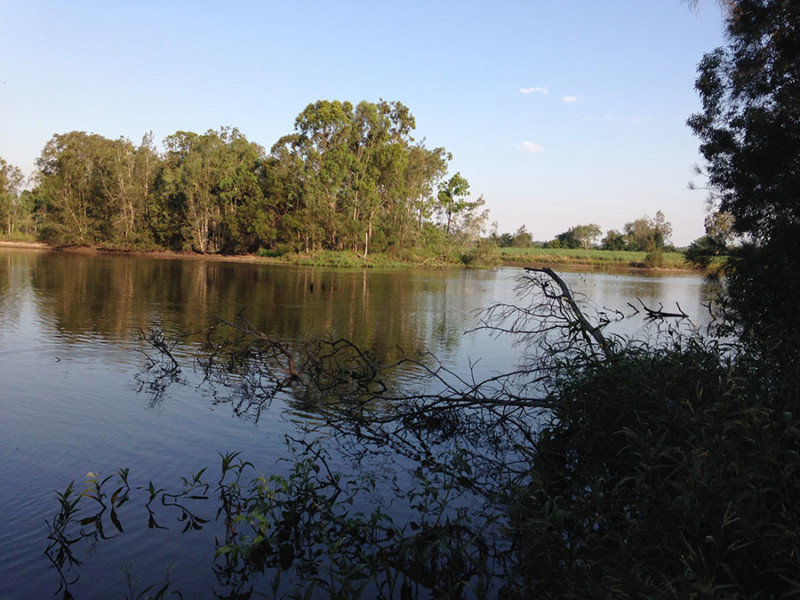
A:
(69, 355)
(110, 296)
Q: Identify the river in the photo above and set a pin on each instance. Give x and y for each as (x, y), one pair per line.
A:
(73, 399)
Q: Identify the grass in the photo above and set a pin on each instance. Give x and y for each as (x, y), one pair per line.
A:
(347, 259)
(533, 256)
(18, 237)
(592, 256)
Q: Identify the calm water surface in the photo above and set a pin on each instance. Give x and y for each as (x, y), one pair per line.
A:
(70, 401)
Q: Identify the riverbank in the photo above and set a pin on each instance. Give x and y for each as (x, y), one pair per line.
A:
(559, 258)
(594, 258)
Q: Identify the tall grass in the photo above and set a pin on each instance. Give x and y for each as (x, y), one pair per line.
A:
(592, 256)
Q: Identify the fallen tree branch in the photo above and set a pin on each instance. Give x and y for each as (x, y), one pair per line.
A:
(660, 313)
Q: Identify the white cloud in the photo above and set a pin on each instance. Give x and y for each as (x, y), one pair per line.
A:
(531, 90)
(569, 99)
(530, 147)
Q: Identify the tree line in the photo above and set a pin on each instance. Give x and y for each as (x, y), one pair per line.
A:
(641, 235)
(348, 178)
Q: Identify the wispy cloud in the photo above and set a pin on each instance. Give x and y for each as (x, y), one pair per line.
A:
(533, 90)
(569, 99)
(530, 147)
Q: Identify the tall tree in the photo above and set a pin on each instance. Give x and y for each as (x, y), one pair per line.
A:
(93, 189)
(579, 236)
(71, 187)
(749, 129)
(424, 171)
(207, 180)
(646, 234)
(750, 124)
(453, 201)
(354, 177)
(11, 179)
(719, 228)
(587, 234)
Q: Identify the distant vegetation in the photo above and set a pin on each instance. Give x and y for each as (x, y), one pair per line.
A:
(594, 256)
(348, 178)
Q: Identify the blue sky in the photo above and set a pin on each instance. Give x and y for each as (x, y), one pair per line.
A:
(559, 112)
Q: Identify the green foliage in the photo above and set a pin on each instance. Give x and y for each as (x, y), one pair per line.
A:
(592, 257)
(614, 240)
(750, 139)
(300, 533)
(210, 184)
(580, 236)
(652, 480)
(266, 253)
(348, 178)
(702, 251)
(482, 254)
(303, 528)
(647, 234)
(748, 126)
(641, 235)
(93, 189)
(14, 210)
(654, 259)
(522, 238)
(719, 228)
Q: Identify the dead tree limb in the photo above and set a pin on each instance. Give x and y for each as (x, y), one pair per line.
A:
(587, 329)
(660, 313)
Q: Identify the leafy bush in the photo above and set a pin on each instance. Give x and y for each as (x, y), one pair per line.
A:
(481, 254)
(654, 259)
(661, 475)
(267, 253)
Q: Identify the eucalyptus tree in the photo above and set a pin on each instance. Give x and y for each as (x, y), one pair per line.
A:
(424, 172)
(351, 176)
(93, 189)
(207, 180)
(322, 143)
(71, 188)
(293, 226)
(11, 179)
(382, 144)
(127, 174)
(585, 235)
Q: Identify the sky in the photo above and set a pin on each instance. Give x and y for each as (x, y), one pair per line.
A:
(558, 112)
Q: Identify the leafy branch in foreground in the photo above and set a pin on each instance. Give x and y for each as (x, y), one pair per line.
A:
(308, 531)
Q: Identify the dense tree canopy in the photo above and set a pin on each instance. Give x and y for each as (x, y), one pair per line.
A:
(750, 138)
(93, 189)
(750, 123)
(356, 177)
(579, 236)
(348, 178)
